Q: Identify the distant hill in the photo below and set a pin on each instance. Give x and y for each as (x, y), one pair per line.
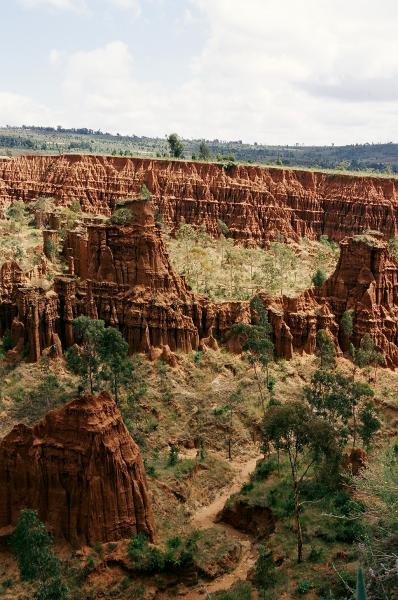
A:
(376, 158)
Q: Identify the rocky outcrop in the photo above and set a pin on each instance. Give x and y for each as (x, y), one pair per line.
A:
(365, 282)
(81, 470)
(257, 204)
(251, 518)
(121, 273)
(126, 279)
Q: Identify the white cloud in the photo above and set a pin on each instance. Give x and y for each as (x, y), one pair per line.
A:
(55, 57)
(314, 72)
(75, 5)
(133, 6)
(16, 109)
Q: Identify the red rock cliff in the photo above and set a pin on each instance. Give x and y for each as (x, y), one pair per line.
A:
(256, 203)
(365, 281)
(82, 472)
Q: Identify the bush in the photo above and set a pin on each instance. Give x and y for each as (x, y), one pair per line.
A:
(149, 559)
(304, 586)
(280, 498)
(52, 589)
(7, 343)
(173, 456)
(350, 528)
(315, 554)
(319, 278)
(33, 548)
(241, 591)
(264, 573)
(264, 468)
(121, 216)
(247, 487)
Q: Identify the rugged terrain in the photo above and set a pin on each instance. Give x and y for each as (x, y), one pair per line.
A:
(194, 399)
(257, 204)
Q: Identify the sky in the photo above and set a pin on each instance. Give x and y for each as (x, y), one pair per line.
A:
(273, 72)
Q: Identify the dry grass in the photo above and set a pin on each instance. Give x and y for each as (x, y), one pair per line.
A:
(223, 270)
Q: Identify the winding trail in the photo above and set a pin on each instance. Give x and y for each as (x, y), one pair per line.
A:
(205, 518)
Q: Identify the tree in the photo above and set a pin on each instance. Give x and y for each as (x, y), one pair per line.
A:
(175, 145)
(186, 234)
(223, 231)
(369, 423)
(319, 278)
(17, 214)
(325, 349)
(366, 355)
(347, 322)
(233, 260)
(306, 439)
(113, 353)
(258, 345)
(204, 151)
(336, 398)
(102, 355)
(234, 400)
(84, 358)
(377, 487)
(33, 548)
(284, 261)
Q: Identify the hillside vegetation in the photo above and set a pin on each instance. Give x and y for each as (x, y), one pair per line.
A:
(361, 158)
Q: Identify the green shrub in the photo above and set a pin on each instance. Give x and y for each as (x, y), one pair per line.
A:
(121, 216)
(149, 559)
(303, 587)
(198, 357)
(247, 487)
(241, 591)
(7, 343)
(280, 498)
(173, 456)
(33, 548)
(319, 278)
(264, 468)
(52, 589)
(316, 554)
(265, 573)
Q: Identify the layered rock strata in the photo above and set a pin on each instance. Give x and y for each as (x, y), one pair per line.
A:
(81, 470)
(365, 282)
(122, 274)
(257, 204)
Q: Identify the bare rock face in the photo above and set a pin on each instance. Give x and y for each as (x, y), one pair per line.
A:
(81, 470)
(122, 274)
(256, 203)
(365, 282)
(127, 280)
(254, 519)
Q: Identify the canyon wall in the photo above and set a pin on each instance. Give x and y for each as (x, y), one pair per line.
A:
(122, 274)
(365, 282)
(256, 203)
(81, 470)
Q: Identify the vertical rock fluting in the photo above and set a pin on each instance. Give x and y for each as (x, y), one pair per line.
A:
(256, 203)
(127, 280)
(81, 470)
(365, 282)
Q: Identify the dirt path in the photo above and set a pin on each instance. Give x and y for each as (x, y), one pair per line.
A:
(205, 518)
